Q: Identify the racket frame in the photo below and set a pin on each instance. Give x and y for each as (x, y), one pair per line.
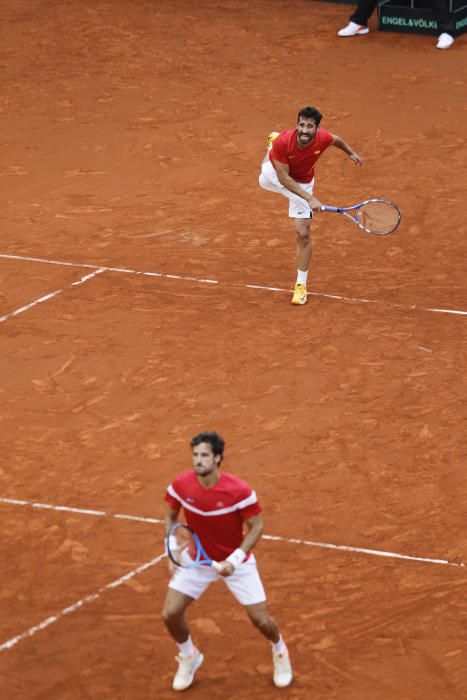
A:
(201, 559)
(346, 210)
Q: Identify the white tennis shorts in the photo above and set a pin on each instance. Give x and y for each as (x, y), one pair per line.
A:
(245, 582)
(298, 207)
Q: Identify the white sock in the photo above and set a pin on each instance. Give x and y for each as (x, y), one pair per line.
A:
(302, 276)
(187, 648)
(279, 647)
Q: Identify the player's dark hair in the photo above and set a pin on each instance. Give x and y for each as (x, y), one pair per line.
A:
(310, 113)
(214, 439)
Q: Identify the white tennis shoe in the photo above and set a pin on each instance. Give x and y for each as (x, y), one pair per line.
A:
(444, 41)
(187, 667)
(352, 29)
(282, 669)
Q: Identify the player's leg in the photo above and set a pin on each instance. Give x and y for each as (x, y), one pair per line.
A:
(263, 621)
(173, 614)
(185, 586)
(304, 250)
(189, 658)
(301, 213)
(246, 585)
(267, 625)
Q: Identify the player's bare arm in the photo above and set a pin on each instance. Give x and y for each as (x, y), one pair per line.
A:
(282, 170)
(254, 526)
(343, 146)
(170, 517)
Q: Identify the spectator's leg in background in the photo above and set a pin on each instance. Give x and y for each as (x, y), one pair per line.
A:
(363, 12)
(445, 21)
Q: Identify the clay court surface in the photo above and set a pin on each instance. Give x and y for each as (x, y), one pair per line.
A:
(132, 134)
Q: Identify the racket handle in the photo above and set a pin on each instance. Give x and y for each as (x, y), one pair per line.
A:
(216, 565)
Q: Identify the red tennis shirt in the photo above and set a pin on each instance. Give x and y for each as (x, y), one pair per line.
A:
(301, 161)
(215, 514)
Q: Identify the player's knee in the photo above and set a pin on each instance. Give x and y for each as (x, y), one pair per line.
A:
(171, 613)
(262, 621)
(302, 229)
(303, 235)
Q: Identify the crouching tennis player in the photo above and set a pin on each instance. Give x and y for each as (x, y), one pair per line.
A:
(224, 512)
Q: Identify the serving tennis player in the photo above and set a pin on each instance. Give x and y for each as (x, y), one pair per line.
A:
(225, 514)
(288, 169)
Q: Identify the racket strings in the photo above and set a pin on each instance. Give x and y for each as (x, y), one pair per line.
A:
(184, 538)
(379, 217)
(185, 544)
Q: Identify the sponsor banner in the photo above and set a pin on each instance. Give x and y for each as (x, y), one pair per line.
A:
(416, 21)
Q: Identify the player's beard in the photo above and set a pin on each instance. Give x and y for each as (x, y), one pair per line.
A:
(204, 471)
(304, 139)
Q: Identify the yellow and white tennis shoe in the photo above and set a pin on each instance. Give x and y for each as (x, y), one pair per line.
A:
(300, 294)
(187, 667)
(282, 669)
(272, 136)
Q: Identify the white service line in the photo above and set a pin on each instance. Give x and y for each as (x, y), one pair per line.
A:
(272, 538)
(412, 307)
(79, 603)
(52, 294)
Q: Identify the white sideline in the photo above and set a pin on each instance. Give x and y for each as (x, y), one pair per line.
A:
(79, 603)
(103, 268)
(51, 295)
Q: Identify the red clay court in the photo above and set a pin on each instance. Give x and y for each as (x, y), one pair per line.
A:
(146, 295)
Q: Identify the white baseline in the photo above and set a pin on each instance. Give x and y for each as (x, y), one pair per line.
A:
(413, 307)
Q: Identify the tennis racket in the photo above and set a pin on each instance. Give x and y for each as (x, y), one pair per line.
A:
(185, 549)
(376, 216)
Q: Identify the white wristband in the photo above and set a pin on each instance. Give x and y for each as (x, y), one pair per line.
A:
(236, 557)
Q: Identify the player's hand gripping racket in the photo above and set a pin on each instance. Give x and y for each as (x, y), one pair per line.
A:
(376, 216)
(185, 549)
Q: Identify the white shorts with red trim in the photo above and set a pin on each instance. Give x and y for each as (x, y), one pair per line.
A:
(245, 582)
(298, 207)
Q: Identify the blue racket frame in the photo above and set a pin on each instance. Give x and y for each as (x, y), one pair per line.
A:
(201, 559)
(345, 211)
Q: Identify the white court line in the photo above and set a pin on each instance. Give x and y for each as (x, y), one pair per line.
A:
(363, 550)
(413, 307)
(272, 538)
(51, 295)
(79, 603)
(152, 562)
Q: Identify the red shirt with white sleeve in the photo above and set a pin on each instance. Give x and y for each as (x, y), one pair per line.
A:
(301, 161)
(216, 514)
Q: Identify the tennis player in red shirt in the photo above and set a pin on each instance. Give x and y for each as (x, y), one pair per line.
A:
(225, 513)
(288, 169)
